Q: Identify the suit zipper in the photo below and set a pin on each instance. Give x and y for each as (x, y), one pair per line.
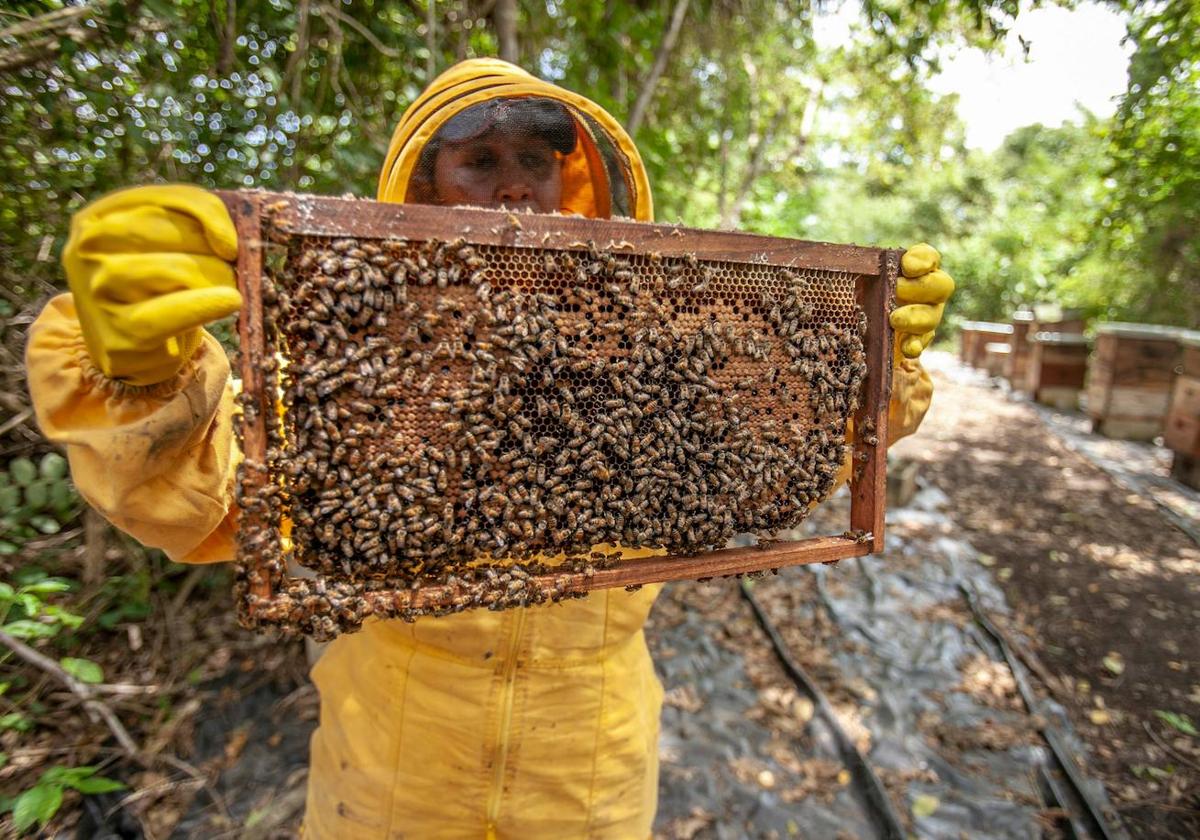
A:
(506, 710)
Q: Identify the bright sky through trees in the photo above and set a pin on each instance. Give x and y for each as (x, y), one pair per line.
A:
(1075, 56)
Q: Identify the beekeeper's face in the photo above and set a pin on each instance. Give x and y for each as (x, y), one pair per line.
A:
(519, 171)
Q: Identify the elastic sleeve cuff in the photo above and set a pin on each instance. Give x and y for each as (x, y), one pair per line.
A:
(155, 460)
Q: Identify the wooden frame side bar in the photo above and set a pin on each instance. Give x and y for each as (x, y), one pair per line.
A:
(246, 209)
(868, 476)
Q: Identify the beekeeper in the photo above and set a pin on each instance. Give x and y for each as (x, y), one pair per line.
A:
(529, 723)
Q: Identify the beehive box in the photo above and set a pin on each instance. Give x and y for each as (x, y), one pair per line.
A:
(1182, 426)
(983, 334)
(452, 408)
(966, 340)
(996, 357)
(1021, 349)
(1130, 379)
(1058, 368)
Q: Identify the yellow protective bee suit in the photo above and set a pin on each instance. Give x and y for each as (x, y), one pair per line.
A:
(530, 723)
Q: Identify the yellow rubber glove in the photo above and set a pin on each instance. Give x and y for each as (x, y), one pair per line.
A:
(149, 266)
(921, 293)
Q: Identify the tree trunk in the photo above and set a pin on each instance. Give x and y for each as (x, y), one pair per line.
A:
(732, 217)
(226, 32)
(505, 16)
(95, 546)
(733, 214)
(660, 64)
(431, 39)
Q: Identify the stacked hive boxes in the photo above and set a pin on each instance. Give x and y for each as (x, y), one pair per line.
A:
(1057, 368)
(1129, 384)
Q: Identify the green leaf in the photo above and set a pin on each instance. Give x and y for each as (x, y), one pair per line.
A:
(84, 670)
(37, 495)
(59, 775)
(38, 804)
(26, 629)
(1181, 722)
(8, 548)
(53, 465)
(1114, 663)
(3, 759)
(29, 575)
(45, 524)
(17, 721)
(66, 619)
(32, 604)
(48, 586)
(10, 498)
(6, 592)
(23, 471)
(98, 784)
(62, 497)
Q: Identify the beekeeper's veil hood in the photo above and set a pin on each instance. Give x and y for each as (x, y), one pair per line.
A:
(602, 172)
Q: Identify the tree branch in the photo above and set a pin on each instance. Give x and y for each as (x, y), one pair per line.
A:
(362, 30)
(40, 38)
(733, 213)
(96, 709)
(656, 70)
(51, 21)
(292, 71)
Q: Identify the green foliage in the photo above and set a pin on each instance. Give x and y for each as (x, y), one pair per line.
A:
(35, 500)
(751, 124)
(42, 801)
(1154, 208)
(84, 670)
(25, 614)
(1180, 722)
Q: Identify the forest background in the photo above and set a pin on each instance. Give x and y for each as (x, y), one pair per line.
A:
(745, 120)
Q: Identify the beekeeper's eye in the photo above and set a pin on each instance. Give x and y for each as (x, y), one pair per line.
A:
(537, 161)
(484, 159)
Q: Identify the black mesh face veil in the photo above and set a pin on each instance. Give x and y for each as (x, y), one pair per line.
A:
(513, 120)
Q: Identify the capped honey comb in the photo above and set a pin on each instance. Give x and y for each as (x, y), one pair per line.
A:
(453, 408)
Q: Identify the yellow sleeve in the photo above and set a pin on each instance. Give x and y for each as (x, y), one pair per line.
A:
(912, 391)
(157, 461)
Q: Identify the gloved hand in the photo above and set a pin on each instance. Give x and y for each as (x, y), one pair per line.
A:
(921, 293)
(148, 266)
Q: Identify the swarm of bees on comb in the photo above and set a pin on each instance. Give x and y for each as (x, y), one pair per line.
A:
(474, 415)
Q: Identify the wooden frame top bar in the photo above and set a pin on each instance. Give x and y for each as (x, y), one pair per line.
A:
(319, 216)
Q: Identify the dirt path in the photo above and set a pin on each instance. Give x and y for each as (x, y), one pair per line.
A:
(1106, 586)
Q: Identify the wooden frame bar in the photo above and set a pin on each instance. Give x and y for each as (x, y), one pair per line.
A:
(297, 215)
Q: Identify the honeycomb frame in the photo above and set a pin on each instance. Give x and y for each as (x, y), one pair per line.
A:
(694, 280)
